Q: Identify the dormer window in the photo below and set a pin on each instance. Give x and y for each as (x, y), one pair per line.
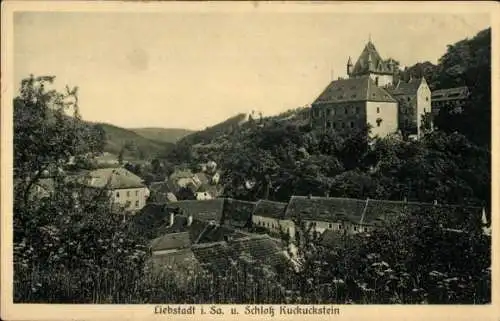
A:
(378, 110)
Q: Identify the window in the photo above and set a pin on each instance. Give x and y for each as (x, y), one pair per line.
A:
(355, 228)
(408, 98)
(343, 125)
(117, 194)
(379, 121)
(351, 124)
(330, 225)
(136, 203)
(426, 98)
(136, 193)
(376, 81)
(357, 110)
(345, 110)
(340, 226)
(334, 125)
(128, 193)
(378, 110)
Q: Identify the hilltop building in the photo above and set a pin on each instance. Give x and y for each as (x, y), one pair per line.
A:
(372, 95)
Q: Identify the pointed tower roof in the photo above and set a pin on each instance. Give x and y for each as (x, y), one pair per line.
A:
(349, 61)
(369, 60)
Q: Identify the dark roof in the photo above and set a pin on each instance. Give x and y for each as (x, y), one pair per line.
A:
(254, 250)
(205, 210)
(353, 89)
(371, 61)
(171, 241)
(218, 233)
(328, 209)
(213, 256)
(260, 249)
(456, 93)
(238, 213)
(112, 178)
(405, 88)
(271, 209)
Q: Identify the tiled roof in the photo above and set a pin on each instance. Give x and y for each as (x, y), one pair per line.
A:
(112, 178)
(182, 263)
(271, 209)
(327, 209)
(238, 213)
(333, 239)
(405, 88)
(171, 241)
(450, 94)
(205, 210)
(213, 256)
(353, 89)
(256, 250)
(261, 249)
(370, 61)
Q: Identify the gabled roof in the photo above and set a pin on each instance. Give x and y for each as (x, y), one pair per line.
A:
(171, 241)
(270, 209)
(254, 250)
(353, 89)
(112, 178)
(238, 213)
(376, 212)
(456, 93)
(204, 210)
(333, 239)
(405, 88)
(370, 61)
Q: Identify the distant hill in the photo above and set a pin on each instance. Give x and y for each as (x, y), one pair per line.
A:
(165, 135)
(135, 145)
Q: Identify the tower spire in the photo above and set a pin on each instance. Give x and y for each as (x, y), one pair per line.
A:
(370, 37)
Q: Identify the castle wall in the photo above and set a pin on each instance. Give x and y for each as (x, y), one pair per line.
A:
(387, 112)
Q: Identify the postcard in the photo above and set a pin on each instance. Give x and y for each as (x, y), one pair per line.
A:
(242, 160)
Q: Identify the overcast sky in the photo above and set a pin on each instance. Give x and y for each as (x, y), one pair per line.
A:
(192, 70)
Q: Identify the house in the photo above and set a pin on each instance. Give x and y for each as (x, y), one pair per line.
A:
(414, 101)
(272, 216)
(453, 98)
(351, 216)
(253, 251)
(204, 210)
(371, 96)
(125, 188)
(161, 192)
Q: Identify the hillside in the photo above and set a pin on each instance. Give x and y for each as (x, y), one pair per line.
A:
(207, 135)
(164, 135)
(135, 145)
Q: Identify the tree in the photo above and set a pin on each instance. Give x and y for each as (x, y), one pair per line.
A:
(70, 242)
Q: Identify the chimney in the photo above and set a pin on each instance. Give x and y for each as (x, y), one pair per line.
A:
(190, 220)
(171, 223)
(435, 202)
(309, 196)
(327, 194)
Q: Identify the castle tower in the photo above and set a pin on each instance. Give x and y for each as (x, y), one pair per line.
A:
(371, 64)
(349, 66)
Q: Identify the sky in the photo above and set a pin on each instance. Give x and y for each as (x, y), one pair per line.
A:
(194, 69)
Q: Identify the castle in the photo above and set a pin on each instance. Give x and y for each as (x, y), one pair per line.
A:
(373, 95)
